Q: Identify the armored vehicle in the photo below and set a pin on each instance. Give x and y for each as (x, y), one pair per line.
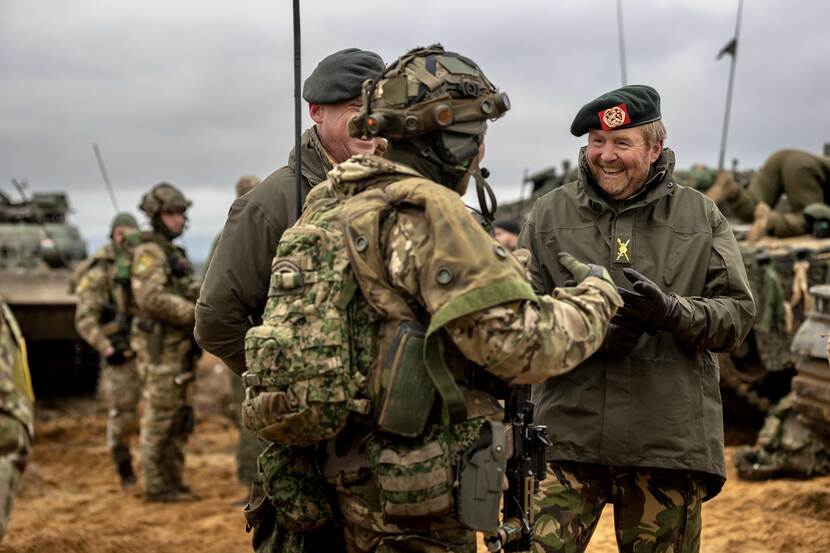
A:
(38, 250)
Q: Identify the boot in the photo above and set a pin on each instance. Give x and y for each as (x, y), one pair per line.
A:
(125, 472)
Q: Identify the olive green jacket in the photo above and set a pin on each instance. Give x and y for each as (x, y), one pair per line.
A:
(660, 405)
(236, 283)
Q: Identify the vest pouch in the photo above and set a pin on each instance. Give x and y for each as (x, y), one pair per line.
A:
(291, 479)
(293, 396)
(407, 393)
(416, 477)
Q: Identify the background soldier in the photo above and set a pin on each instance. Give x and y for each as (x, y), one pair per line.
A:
(249, 446)
(165, 291)
(17, 428)
(803, 177)
(420, 258)
(102, 318)
(640, 424)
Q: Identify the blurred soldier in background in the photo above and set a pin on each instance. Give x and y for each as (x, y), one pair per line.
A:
(165, 293)
(102, 317)
(507, 233)
(16, 414)
(803, 177)
(249, 447)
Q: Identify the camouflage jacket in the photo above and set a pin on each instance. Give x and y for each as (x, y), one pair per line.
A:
(96, 283)
(659, 405)
(487, 308)
(163, 286)
(15, 386)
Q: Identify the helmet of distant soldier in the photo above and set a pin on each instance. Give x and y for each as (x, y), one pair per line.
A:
(123, 219)
(163, 197)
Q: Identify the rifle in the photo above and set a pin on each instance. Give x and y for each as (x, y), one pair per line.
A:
(525, 471)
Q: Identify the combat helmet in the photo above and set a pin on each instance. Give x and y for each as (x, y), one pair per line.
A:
(123, 219)
(440, 101)
(163, 197)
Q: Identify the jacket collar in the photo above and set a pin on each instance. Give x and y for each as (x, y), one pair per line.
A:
(316, 161)
(660, 183)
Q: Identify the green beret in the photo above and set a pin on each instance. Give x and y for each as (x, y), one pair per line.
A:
(626, 107)
(339, 77)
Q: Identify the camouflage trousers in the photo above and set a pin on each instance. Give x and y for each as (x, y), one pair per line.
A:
(165, 426)
(13, 459)
(249, 447)
(456, 539)
(120, 387)
(655, 510)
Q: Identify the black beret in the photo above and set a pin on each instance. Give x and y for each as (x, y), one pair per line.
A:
(339, 77)
(626, 107)
(509, 225)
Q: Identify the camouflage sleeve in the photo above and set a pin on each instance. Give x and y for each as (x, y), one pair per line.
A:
(14, 402)
(521, 341)
(93, 294)
(150, 276)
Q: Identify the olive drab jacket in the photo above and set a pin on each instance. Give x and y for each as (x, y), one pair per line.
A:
(660, 405)
(236, 283)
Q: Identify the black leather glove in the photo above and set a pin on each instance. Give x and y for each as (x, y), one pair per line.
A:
(580, 270)
(620, 339)
(649, 305)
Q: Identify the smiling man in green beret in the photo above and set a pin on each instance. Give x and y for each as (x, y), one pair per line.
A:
(639, 424)
(236, 284)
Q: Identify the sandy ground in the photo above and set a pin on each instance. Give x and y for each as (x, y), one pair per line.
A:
(70, 500)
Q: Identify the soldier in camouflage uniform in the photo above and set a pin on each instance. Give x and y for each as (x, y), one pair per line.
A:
(417, 252)
(249, 446)
(165, 293)
(785, 447)
(102, 318)
(16, 412)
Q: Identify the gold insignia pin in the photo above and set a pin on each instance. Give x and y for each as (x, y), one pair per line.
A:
(622, 250)
(614, 117)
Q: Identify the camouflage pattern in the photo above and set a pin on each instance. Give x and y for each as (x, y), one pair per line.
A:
(17, 416)
(521, 340)
(655, 510)
(120, 385)
(785, 447)
(164, 292)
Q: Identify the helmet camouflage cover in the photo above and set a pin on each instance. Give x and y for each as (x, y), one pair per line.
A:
(123, 219)
(163, 197)
(430, 90)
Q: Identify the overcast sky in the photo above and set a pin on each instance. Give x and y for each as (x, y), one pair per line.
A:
(200, 92)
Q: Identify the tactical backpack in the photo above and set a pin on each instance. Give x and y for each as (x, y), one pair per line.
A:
(302, 380)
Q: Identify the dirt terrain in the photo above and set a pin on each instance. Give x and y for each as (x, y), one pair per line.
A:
(71, 502)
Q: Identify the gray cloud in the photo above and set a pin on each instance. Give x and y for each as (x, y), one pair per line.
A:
(198, 93)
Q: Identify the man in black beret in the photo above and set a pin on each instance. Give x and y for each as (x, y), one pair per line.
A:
(236, 284)
(638, 424)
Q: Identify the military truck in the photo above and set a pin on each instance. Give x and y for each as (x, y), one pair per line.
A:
(38, 249)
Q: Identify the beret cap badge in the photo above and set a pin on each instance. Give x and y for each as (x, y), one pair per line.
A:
(614, 117)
